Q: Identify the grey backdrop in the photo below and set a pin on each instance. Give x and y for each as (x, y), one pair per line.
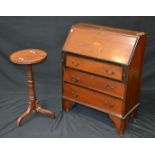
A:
(49, 33)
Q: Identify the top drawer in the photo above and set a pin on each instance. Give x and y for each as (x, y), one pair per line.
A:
(95, 67)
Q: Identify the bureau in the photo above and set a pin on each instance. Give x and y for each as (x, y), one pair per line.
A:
(102, 69)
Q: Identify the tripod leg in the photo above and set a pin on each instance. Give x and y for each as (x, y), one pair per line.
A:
(44, 111)
(24, 115)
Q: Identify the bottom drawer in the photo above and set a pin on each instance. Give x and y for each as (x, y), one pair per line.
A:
(92, 99)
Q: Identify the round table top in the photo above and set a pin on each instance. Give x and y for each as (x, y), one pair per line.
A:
(28, 56)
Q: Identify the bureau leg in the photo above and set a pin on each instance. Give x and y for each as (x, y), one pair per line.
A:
(120, 124)
(67, 105)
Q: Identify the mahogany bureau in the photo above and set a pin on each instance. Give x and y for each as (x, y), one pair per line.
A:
(102, 69)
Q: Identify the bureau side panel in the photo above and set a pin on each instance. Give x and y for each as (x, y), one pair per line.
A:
(134, 75)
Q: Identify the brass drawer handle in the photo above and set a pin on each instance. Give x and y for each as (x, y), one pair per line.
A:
(108, 104)
(75, 63)
(108, 86)
(74, 94)
(110, 72)
(75, 79)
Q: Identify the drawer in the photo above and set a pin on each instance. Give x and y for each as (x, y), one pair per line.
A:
(100, 84)
(92, 99)
(95, 67)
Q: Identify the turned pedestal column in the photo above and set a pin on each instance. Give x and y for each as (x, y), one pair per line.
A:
(29, 57)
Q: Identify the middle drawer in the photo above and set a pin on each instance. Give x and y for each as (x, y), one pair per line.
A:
(100, 84)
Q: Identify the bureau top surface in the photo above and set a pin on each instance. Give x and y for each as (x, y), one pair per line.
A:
(105, 43)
